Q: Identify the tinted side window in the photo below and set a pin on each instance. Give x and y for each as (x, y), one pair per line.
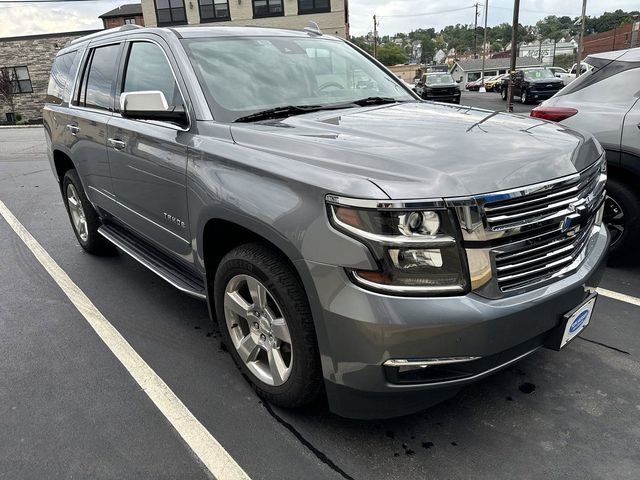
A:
(148, 69)
(100, 76)
(60, 77)
(619, 89)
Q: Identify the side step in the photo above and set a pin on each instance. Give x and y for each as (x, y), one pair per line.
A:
(156, 261)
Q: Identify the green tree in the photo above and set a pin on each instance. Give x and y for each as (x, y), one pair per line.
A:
(550, 27)
(391, 54)
(362, 43)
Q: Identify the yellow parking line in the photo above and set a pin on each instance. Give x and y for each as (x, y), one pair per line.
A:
(204, 446)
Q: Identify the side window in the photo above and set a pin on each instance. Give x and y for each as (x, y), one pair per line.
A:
(148, 69)
(61, 74)
(620, 89)
(98, 79)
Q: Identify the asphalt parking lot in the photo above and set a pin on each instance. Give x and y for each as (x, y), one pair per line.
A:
(492, 101)
(68, 408)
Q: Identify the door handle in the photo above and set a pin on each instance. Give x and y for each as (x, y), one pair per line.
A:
(74, 129)
(117, 144)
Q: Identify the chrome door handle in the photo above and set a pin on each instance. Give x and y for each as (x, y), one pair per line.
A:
(74, 129)
(117, 144)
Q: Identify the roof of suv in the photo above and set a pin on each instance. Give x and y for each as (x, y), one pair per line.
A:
(201, 32)
(629, 55)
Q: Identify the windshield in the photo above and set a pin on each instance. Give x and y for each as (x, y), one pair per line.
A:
(538, 74)
(439, 78)
(244, 75)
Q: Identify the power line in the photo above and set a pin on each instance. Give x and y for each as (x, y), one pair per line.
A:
(535, 11)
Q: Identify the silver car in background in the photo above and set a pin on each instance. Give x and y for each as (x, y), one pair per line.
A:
(605, 101)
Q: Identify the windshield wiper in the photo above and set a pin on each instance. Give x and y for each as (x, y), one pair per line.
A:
(290, 110)
(279, 112)
(375, 101)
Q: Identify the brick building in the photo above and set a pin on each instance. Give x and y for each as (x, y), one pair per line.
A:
(29, 59)
(623, 37)
(124, 14)
(330, 15)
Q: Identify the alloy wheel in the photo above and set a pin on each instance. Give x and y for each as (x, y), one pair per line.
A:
(77, 212)
(258, 330)
(614, 219)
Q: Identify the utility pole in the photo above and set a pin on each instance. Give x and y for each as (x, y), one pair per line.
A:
(578, 62)
(514, 52)
(484, 42)
(375, 37)
(475, 34)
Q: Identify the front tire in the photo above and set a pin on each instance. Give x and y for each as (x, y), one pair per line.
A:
(265, 320)
(503, 94)
(524, 97)
(83, 216)
(622, 217)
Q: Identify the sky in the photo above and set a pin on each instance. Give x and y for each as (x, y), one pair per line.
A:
(394, 15)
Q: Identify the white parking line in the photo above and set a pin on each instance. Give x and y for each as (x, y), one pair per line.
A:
(619, 296)
(203, 445)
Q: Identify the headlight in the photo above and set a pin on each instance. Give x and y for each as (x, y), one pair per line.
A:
(415, 246)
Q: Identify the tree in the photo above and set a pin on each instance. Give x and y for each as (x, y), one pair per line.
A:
(428, 50)
(391, 54)
(7, 88)
(550, 27)
(363, 44)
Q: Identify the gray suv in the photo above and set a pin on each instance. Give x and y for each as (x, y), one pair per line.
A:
(605, 101)
(351, 240)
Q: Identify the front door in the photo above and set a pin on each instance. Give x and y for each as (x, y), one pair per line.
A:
(149, 159)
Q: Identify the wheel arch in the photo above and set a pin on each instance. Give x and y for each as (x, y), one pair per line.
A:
(62, 163)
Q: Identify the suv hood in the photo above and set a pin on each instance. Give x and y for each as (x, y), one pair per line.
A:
(424, 150)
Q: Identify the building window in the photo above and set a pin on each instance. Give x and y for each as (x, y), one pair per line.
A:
(313, 6)
(267, 8)
(20, 78)
(214, 10)
(170, 12)
(130, 21)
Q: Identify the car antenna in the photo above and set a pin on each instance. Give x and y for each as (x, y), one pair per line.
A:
(312, 27)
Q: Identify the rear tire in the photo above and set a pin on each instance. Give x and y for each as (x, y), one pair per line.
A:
(265, 320)
(84, 218)
(622, 217)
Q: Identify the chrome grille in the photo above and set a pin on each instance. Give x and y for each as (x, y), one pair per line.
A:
(532, 235)
(544, 207)
(534, 260)
(552, 225)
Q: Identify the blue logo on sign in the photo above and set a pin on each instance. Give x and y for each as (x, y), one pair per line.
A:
(577, 323)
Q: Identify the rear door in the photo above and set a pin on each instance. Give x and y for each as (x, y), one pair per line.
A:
(91, 108)
(149, 158)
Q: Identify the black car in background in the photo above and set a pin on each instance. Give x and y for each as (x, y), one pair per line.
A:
(532, 85)
(438, 86)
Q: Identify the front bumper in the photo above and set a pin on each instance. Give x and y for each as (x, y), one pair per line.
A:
(360, 330)
(454, 97)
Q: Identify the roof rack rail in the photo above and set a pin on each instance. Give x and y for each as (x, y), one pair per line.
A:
(123, 28)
